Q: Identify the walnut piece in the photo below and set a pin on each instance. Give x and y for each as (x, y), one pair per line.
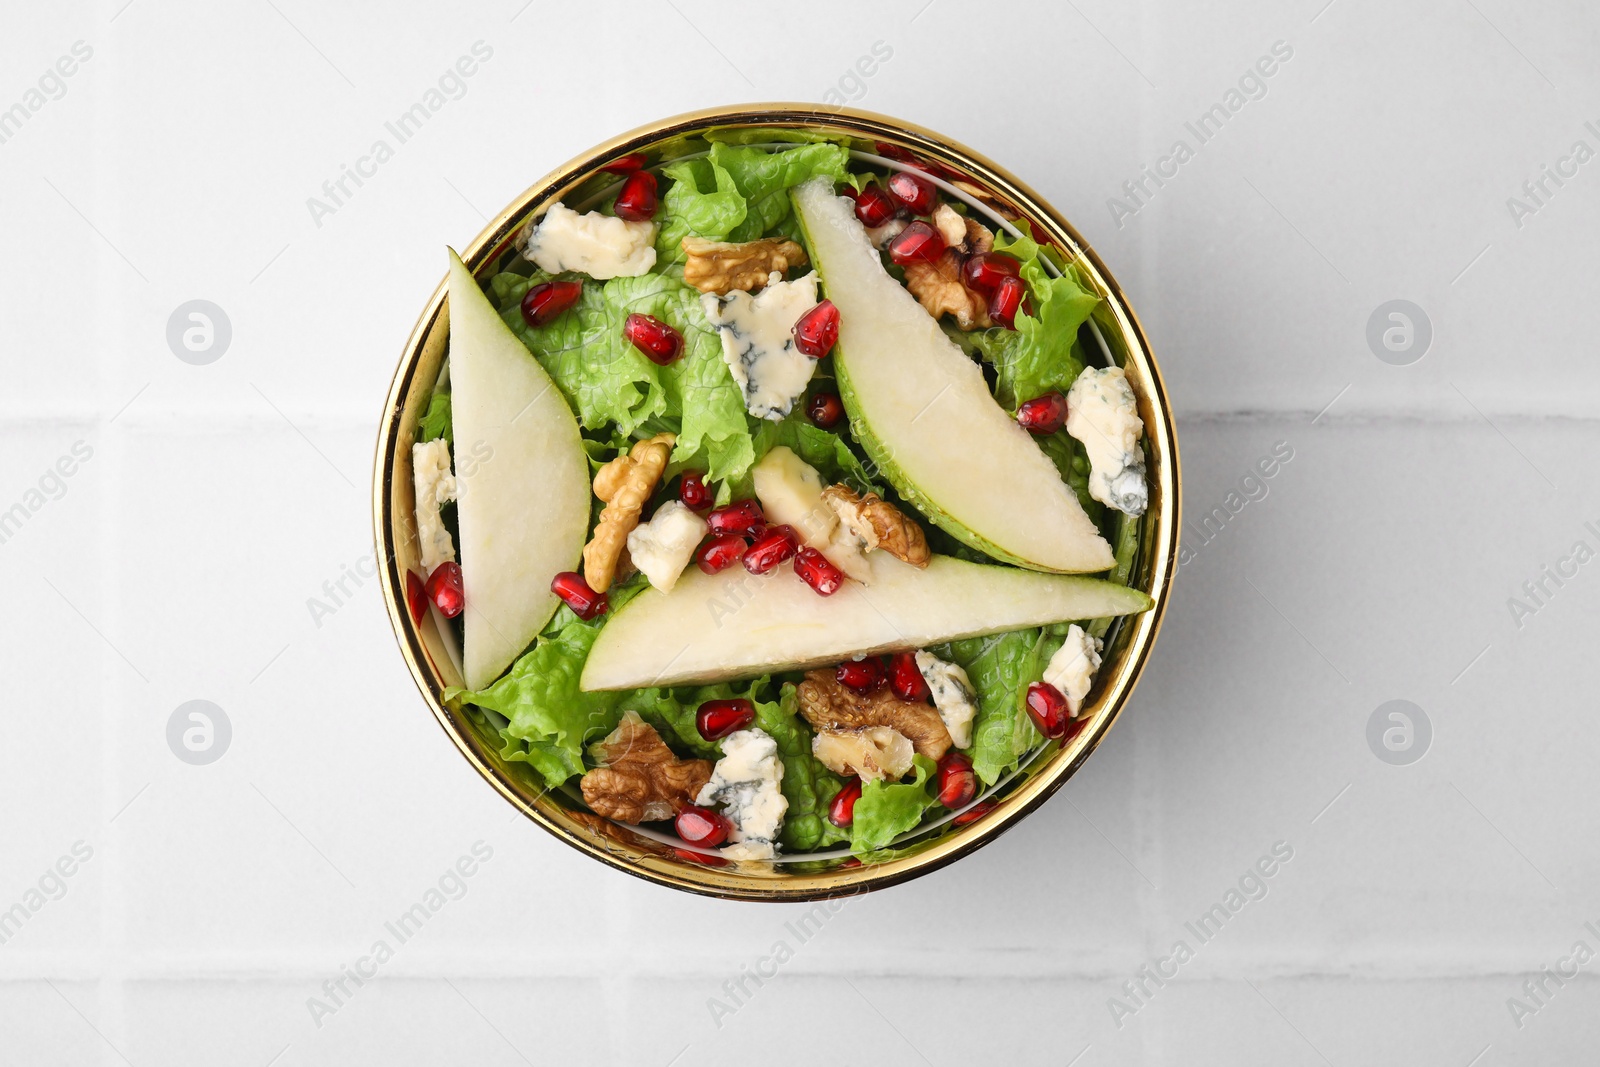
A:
(625, 484)
(828, 705)
(873, 752)
(950, 224)
(879, 524)
(639, 778)
(722, 266)
(938, 286)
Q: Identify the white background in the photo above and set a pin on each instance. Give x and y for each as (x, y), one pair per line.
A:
(180, 560)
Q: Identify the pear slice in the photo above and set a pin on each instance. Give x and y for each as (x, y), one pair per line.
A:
(730, 625)
(522, 482)
(921, 409)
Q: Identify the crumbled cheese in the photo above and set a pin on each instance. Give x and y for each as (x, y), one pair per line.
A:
(435, 486)
(1103, 413)
(662, 547)
(601, 246)
(758, 342)
(790, 491)
(951, 226)
(746, 783)
(1072, 668)
(953, 695)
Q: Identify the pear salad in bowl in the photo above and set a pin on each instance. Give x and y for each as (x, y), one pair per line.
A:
(775, 499)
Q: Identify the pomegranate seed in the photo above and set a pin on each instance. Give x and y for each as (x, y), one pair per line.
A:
(957, 784)
(739, 517)
(702, 826)
(660, 343)
(545, 301)
(904, 677)
(578, 595)
(917, 243)
(913, 193)
(853, 861)
(1048, 709)
(692, 491)
(1043, 415)
(816, 332)
(1007, 301)
(626, 164)
(1038, 234)
(973, 814)
(416, 597)
(986, 270)
(815, 570)
(444, 589)
(720, 553)
(825, 410)
(701, 858)
(842, 812)
(874, 207)
(1076, 728)
(846, 189)
(901, 155)
(776, 545)
(716, 719)
(860, 675)
(637, 201)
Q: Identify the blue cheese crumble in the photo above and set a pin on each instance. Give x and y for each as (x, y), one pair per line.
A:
(953, 695)
(746, 783)
(435, 487)
(758, 342)
(1072, 668)
(1103, 413)
(601, 246)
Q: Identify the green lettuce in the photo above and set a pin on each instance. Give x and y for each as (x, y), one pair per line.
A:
(885, 809)
(1001, 668)
(825, 450)
(435, 422)
(737, 193)
(808, 785)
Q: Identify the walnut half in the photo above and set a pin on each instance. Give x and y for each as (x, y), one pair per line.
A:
(879, 524)
(872, 752)
(828, 705)
(625, 484)
(639, 778)
(938, 286)
(723, 266)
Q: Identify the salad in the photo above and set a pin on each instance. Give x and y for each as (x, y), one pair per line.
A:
(795, 493)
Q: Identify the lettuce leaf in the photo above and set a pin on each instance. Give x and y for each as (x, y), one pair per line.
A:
(1001, 668)
(886, 810)
(737, 193)
(1042, 353)
(809, 786)
(435, 422)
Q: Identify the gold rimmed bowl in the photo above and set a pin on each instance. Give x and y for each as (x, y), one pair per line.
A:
(992, 195)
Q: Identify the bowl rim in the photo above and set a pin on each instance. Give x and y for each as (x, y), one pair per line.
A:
(750, 881)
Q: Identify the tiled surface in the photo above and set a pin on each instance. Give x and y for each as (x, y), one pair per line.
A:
(186, 555)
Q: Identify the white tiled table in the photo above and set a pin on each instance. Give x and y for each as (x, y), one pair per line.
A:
(179, 560)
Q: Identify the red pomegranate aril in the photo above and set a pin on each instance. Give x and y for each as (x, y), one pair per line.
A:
(416, 597)
(660, 343)
(917, 243)
(817, 331)
(545, 301)
(913, 193)
(578, 595)
(1048, 709)
(776, 545)
(704, 859)
(957, 784)
(973, 814)
(986, 270)
(720, 553)
(1007, 301)
(739, 517)
(637, 201)
(1043, 415)
(815, 570)
(905, 678)
(874, 207)
(701, 826)
(692, 491)
(825, 410)
(716, 719)
(444, 589)
(626, 164)
(860, 675)
(842, 812)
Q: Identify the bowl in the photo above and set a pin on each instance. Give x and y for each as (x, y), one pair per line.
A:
(993, 193)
